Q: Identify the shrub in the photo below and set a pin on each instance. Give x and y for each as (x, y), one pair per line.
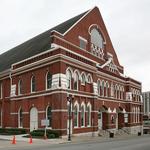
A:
(49, 133)
(12, 131)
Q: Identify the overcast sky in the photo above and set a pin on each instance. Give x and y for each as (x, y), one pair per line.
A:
(127, 22)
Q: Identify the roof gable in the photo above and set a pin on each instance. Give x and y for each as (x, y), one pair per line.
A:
(92, 18)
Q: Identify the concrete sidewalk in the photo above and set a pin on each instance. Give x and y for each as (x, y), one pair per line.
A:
(74, 139)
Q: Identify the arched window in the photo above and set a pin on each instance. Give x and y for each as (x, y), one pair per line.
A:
(33, 86)
(116, 91)
(88, 115)
(83, 79)
(69, 79)
(20, 118)
(107, 89)
(96, 38)
(103, 87)
(48, 81)
(76, 115)
(89, 78)
(76, 81)
(20, 87)
(82, 115)
(99, 87)
(49, 115)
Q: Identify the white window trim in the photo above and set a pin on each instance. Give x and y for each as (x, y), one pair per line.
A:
(83, 39)
(83, 105)
(31, 88)
(47, 89)
(83, 74)
(77, 105)
(89, 105)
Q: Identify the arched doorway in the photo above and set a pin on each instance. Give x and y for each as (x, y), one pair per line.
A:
(119, 118)
(102, 118)
(33, 119)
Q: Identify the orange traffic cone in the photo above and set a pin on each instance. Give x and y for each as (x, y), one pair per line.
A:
(30, 140)
(13, 140)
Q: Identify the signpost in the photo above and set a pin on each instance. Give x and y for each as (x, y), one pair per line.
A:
(45, 123)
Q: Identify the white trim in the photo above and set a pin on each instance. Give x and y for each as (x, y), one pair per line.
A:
(46, 81)
(83, 105)
(89, 76)
(76, 104)
(59, 110)
(90, 108)
(55, 48)
(75, 94)
(99, 28)
(83, 39)
(13, 113)
(77, 22)
(31, 86)
(83, 74)
(41, 112)
(25, 113)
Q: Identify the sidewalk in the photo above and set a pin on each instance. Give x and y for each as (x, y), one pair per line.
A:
(74, 139)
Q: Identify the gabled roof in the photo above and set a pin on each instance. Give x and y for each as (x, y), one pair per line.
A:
(35, 45)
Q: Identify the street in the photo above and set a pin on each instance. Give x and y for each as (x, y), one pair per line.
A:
(134, 143)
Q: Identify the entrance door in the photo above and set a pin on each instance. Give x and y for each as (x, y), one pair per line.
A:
(33, 119)
(100, 120)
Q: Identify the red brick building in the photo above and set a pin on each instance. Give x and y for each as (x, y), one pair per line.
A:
(75, 58)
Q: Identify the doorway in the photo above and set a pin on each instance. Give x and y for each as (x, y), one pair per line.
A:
(33, 119)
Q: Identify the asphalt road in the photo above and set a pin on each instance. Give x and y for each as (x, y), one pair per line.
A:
(136, 143)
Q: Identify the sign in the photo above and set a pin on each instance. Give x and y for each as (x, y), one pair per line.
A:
(44, 122)
(13, 90)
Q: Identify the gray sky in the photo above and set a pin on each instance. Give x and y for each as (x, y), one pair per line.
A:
(127, 22)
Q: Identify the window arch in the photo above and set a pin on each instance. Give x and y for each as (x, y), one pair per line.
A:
(103, 88)
(76, 114)
(99, 87)
(89, 78)
(82, 115)
(20, 87)
(88, 114)
(20, 118)
(49, 115)
(69, 78)
(107, 89)
(76, 81)
(48, 80)
(83, 78)
(33, 86)
(96, 38)
(116, 91)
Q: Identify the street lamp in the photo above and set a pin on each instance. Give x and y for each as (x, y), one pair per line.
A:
(69, 99)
